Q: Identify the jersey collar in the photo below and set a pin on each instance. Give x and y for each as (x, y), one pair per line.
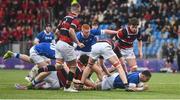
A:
(47, 32)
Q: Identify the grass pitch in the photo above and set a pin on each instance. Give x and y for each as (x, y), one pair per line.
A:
(161, 86)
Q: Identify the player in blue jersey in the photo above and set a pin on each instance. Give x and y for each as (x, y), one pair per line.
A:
(45, 36)
(57, 79)
(137, 81)
(87, 36)
(40, 55)
(42, 49)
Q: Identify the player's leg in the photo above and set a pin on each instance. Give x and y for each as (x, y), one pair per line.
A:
(38, 79)
(109, 54)
(67, 53)
(98, 71)
(10, 54)
(87, 69)
(41, 62)
(130, 57)
(132, 63)
(123, 64)
(120, 56)
(72, 68)
(94, 55)
(115, 62)
(33, 72)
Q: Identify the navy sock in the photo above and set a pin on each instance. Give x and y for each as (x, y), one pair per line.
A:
(70, 78)
(17, 55)
(47, 68)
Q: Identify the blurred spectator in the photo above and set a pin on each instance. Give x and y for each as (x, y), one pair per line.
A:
(29, 16)
(170, 57)
(178, 57)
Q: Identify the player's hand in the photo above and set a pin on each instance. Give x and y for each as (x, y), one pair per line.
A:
(81, 45)
(146, 87)
(76, 81)
(128, 89)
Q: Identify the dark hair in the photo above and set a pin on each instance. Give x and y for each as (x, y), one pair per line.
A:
(48, 24)
(84, 59)
(133, 21)
(146, 73)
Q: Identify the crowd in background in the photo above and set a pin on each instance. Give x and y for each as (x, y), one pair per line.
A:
(21, 20)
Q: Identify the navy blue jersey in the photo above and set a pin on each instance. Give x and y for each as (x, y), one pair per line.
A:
(132, 78)
(88, 42)
(43, 37)
(45, 49)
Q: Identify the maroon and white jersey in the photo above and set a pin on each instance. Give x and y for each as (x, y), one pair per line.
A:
(126, 38)
(69, 21)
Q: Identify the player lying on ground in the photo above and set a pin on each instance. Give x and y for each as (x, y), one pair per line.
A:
(57, 79)
(137, 81)
(104, 48)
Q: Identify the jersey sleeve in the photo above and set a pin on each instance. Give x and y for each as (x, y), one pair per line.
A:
(120, 34)
(39, 36)
(132, 85)
(139, 37)
(75, 24)
(96, 32)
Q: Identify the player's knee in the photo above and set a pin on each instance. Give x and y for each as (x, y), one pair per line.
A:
(59, 66)
(116, 64)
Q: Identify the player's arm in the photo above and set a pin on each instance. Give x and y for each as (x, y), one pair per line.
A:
(56, 32)
(110, 32)
(72, 33)
(120, 34)
(140, 43)
(89, 83)
(138, 88)
(140, 49)
(36, 41)
(104, 67)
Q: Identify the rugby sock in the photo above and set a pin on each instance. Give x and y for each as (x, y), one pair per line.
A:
(35, 81)
(47, 68)
(16, 55)
(70, 78)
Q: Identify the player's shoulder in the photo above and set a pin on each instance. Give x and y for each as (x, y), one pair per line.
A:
(95, 31)
(133, 74)
(42, 32)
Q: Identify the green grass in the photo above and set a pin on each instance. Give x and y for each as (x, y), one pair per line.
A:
(162, 86)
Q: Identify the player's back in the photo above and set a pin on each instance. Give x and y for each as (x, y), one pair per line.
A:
(132, 78)
(46, 49)
(69, 21)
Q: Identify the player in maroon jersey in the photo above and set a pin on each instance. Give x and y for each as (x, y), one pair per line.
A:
(125, 38)
(64, 47)
(57, 79)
